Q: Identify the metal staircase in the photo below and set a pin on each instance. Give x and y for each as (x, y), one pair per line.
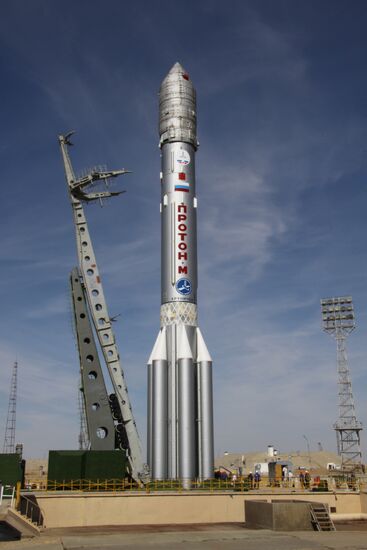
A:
(320, 517)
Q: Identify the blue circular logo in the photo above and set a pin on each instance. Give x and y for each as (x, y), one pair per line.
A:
(183, 286)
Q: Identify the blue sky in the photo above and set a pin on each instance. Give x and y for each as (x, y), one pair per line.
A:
(282, 190)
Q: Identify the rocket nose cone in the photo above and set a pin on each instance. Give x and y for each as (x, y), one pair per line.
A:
(176, 68)
(177, 107)
(176, 72)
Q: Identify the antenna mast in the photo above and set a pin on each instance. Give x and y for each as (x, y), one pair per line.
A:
(338, 320)
(9, 439)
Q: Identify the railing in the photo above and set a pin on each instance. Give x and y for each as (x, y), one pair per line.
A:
(7, 492)
(242, 484)
(28, 507)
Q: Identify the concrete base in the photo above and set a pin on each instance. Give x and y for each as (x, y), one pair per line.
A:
(348, 517)
(278, 516)
(92, 509)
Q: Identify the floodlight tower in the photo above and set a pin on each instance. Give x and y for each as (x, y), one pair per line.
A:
(338, 320)
(9, 439)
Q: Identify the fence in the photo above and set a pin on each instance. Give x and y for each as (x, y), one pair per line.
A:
(294, 484)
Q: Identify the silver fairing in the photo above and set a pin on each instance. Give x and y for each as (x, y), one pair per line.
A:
(177, 108)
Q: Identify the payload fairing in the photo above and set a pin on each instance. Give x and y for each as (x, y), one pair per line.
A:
(180, 395)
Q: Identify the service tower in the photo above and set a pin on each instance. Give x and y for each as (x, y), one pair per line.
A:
(180, 395)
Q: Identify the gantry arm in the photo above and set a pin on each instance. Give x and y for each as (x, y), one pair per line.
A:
(98, 306)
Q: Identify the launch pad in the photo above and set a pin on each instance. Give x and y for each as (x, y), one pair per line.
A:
(76, 509)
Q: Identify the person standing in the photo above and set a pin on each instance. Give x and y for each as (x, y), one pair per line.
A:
(290, 478)
(257, 479)
(307, 479)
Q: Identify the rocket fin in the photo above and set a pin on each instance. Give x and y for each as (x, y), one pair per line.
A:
(203, 353)
(183, 346)
(159, 350)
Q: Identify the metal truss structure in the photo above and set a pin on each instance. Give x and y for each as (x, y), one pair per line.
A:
(338, 320)
(109, 418)
(9, 439)
(83, 438)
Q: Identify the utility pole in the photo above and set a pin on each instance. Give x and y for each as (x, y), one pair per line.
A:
(308, 451)
(9, 439)
(338, 320)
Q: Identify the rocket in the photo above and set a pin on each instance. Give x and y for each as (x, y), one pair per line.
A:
(180, 439)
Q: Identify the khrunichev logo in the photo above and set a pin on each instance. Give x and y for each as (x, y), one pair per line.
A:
(183, 286)
(182, 157)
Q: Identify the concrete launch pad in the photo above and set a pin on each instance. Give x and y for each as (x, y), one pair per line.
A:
(74, 510)
(211, 537)
(140, 521)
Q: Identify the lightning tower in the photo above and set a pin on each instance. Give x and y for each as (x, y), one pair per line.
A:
(338, 320)
(9, 439)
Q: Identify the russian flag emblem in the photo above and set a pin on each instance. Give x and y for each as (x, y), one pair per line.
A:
(182, 186)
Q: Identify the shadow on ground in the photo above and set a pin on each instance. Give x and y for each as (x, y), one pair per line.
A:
(8, 533)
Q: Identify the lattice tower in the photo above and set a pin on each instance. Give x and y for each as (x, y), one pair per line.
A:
(339, 321)
(9, 439)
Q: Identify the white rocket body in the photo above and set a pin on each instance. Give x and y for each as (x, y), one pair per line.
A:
(180, 395)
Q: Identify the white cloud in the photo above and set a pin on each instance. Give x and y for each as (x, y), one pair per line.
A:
(56, 306)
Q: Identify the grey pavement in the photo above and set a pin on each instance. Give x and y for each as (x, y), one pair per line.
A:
(228, 538)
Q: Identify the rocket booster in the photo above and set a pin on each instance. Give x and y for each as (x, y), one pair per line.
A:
(180, 402)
